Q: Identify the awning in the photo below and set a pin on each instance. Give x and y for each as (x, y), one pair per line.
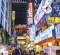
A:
(40, 42)
(46, 40)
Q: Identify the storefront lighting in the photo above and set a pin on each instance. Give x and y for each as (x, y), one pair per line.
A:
(59, 43)
(29, 45)
(54, 41)
(50, 44)
(37, 46)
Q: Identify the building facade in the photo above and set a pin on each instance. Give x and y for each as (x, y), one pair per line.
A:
(5, 20)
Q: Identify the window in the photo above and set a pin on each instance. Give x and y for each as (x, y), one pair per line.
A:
(8, 29)
(58, 52)
(5, 25)
(2, 6)
(6, 14)
(7, 5)
(1, 17)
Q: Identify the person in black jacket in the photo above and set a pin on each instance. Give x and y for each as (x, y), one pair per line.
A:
(16, 52)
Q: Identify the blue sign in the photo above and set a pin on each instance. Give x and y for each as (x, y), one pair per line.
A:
(13, 45)
(56, 9)
(14, 35)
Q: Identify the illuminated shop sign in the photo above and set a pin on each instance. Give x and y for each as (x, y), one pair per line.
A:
(47, 9)
(31, 30)
(30, 21)
(30, 11)
(57, 1)
(13, 15)
(45, 34)
(56, 9)
(53, 20)
(41, 22)
(13, 18)
(57, 29)
(43, 8)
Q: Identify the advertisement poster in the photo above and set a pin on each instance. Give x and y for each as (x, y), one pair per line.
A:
(56, 9)
(46, 50)
(57, 29)
(52, 50)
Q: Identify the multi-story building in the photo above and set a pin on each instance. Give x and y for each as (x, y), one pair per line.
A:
(19, 15)
(40, 22)
(5, 20)
(46, 20)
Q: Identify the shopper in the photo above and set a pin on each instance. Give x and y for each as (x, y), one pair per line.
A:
(16, 52)
(24, 52)
(13, 51)
(45, 53)
(37, 53)
(41, 52)
(32, 52)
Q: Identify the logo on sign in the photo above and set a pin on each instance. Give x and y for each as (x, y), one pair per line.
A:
(47, 9)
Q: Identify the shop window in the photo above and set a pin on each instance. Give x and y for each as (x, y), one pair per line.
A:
(58, 52)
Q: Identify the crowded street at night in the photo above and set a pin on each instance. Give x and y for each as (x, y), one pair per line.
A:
(29, 27)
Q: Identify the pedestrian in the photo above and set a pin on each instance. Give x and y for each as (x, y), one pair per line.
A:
(45, 53)
(32, 52)
(16, 52)
(24, 52)
(41, 52)
(13, 51)
(37, 53)
(20, 51)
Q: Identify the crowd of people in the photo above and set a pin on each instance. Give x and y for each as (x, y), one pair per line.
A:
(25, 52)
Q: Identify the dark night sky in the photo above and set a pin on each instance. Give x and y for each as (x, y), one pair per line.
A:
(20, 13)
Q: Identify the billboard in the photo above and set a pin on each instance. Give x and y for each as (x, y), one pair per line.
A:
(29, 21)
(36, 4)
(57, 1)
(56, 9)
(31, 33)
(41, 22)
(13, 15)
(57, 29)
(44, 7)
(53, 20)
(30, 13)
(45, 34)
(30, 7)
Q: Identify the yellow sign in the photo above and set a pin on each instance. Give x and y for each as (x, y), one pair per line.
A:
(57, 19)
(13, 15)
(53, 20)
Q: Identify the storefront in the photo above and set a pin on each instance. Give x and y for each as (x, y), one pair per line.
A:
(4, 37)
(0, 33)
(41, 26)
(3, 46)
(47, 37)
(57, 30)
